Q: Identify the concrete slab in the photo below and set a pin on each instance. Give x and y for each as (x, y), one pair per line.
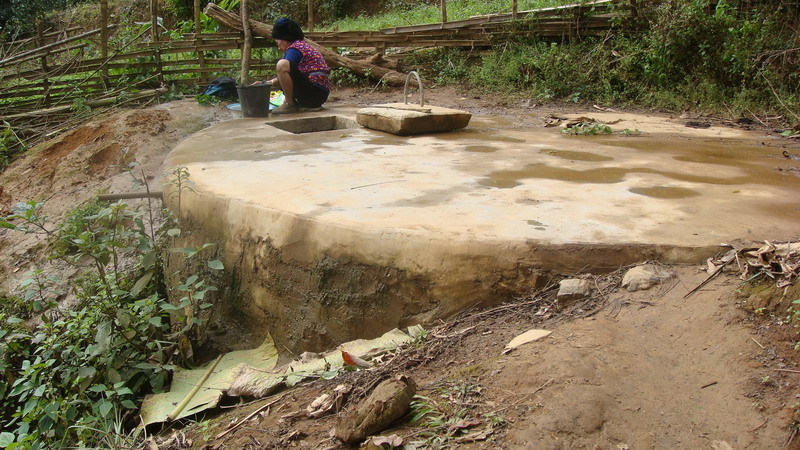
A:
(404, 119)
(358, 231)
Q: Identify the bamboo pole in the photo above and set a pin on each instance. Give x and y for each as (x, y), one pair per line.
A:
(154, 36)
(45, 67)
(35, 51)
(311, 15)
(93, 104)
(104, 32)
(198, 40)
(444, 11)
(177, 411)
(248, 43)
(514, 10)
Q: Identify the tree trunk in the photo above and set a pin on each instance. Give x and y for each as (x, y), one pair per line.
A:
(233, 21)
(247, 46)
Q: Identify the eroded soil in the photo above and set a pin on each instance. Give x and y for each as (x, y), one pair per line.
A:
(649, 369)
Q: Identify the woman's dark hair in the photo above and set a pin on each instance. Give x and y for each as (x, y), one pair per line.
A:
(287, 29)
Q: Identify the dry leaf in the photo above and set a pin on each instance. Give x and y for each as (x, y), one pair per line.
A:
(393, 440)
(353, 360)
(524, 338)
(464, 423)
(476, 436)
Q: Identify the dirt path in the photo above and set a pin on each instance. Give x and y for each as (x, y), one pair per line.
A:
(660, 372)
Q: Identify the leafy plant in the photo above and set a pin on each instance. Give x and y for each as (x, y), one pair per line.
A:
(207, 100)
(28, 218)
(10, 144)
(40, 291)
(587, 129)
(179, 179)
(443, 415)
(629, 132)
(342, 76)
(80, 108)
(78, 376)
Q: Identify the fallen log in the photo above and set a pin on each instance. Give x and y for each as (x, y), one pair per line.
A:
(233, 21)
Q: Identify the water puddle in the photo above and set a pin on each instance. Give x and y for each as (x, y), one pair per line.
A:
(480, 149)
(576, 156)
(665, 192)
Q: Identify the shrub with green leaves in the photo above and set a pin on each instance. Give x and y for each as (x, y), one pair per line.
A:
(76, 378)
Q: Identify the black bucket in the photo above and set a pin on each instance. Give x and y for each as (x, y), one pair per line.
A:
(254, 99)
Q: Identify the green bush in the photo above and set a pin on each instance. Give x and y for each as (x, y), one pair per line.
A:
(76, 378)
(730, 61)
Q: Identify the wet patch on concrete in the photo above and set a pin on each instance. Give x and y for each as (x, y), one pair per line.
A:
(577, 156)
(665, 192)
(480, 149)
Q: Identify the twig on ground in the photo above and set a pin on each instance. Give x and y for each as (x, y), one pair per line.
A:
(709, 278)
(249, 416)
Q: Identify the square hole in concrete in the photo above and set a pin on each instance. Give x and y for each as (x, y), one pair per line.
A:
(314, 124)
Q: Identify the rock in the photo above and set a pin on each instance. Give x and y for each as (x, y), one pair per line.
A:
(573, 289)
(387, 403)
(408, 119)
(644, 277)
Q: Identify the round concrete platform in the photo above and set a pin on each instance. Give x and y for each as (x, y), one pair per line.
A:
(468, 216)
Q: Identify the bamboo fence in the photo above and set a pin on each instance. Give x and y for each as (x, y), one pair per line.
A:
(55, 70)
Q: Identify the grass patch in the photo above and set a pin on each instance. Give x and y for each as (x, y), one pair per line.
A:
(422, 13)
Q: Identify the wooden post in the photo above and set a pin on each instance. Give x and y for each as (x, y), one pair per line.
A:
(444, 11)
(514, 9)
(248, 44)
(198, 41)
(154, 37)
(104, 37)
(311, 15)
(45, 67)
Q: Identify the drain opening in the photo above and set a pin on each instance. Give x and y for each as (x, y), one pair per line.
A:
(314, 124)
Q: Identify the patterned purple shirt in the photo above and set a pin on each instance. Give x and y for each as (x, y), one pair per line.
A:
(312, 64)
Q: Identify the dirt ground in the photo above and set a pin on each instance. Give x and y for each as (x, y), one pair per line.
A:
(649, 369)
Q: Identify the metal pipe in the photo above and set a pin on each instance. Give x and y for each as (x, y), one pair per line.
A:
(421, 91)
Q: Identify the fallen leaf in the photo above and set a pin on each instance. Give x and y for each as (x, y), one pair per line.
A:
(353, 360)
(476, 436)
(710, 267)
(464, 423)
(524, 338)
(393, 440)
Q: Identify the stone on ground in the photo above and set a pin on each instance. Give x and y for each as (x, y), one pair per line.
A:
(644, 277)
(573, 289)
